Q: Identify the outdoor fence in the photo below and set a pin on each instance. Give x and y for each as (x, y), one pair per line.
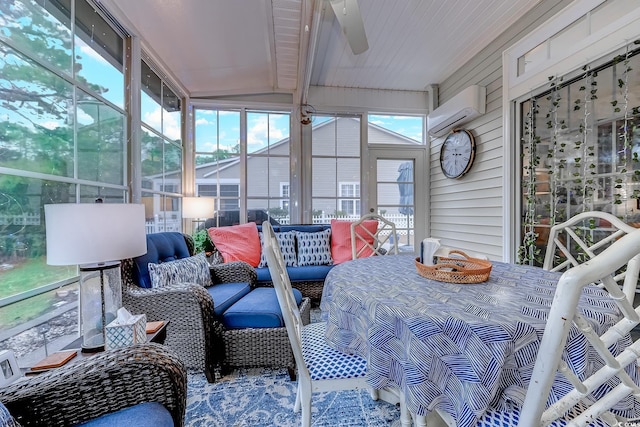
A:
(24, 219)
(159, 224)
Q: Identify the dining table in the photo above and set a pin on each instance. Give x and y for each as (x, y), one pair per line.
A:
(455, 348)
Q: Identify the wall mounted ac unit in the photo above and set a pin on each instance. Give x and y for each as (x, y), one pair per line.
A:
(462, 108)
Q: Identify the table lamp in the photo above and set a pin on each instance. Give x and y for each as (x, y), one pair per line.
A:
(96, 236)
(198, 208)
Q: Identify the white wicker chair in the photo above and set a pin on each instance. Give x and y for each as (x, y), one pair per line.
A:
(581, 238)
(320, 367)
(578, 407)
(383, 241)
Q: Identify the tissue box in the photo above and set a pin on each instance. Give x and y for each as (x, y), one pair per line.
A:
(122, 335)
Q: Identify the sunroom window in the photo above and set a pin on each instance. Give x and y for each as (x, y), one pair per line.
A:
(62, 140)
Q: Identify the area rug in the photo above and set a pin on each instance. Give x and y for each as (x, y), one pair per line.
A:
(265, 397)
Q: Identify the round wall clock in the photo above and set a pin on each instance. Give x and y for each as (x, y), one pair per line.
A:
(457, 153)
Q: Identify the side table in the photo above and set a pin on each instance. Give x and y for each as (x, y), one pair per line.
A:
(158, 336)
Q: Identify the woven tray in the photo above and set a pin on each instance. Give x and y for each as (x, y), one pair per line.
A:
(456, 270)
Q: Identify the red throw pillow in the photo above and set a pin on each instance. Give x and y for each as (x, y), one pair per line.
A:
(237, 242)
(341, 239)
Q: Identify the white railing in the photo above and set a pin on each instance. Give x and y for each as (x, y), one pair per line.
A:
(24, 219)
(160, 225)
(402, 222)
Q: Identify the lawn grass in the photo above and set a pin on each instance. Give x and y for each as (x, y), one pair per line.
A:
(26, 275)
(32, 273)
(25, 310)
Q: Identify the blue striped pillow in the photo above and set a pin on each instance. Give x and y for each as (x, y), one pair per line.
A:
(287, 241)
(314, 248)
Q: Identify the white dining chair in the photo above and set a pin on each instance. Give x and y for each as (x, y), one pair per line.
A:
(579, 407)
(320, 367)
(581, 238)
(366, 242)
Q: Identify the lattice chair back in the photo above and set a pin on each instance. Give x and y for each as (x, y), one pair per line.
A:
(366, 242)
(284, 293)
(562, 316)
(320, 367)
(584, 236)
(588, 400)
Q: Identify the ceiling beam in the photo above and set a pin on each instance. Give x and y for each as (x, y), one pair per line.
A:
(311, 14)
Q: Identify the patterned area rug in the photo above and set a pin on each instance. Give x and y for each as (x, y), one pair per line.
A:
(265, 397)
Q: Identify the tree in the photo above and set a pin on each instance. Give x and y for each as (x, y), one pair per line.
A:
(38, 119)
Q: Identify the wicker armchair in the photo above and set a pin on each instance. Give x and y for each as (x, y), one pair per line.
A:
(98, 385)
(195, 335)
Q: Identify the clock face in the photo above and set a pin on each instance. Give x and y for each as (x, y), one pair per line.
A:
(457, 153)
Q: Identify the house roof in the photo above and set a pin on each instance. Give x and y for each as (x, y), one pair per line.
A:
(231, 162)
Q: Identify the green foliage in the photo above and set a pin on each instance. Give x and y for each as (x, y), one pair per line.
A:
(217, 155)
(277, 212)
(202, 242)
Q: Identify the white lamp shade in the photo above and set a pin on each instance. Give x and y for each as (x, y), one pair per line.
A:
(198, 207)
(84, 233)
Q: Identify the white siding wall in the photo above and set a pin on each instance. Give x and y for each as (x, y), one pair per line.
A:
(467, 213)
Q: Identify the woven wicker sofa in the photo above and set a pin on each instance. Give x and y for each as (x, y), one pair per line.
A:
(309, 279)
(114, 387)
(196, 332)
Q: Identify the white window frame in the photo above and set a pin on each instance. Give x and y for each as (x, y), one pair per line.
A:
(285, 193)
(355, 198)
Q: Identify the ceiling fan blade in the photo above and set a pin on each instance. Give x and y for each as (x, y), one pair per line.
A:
(348, 14)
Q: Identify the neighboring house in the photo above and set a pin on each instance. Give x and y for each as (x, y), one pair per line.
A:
(345, 184)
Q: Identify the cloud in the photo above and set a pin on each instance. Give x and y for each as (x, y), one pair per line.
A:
(171, 125)
(51, 125)
(83, 118)
(206, 146)
(260, 131)
(84, 48)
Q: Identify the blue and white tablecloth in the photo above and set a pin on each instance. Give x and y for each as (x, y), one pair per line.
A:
(460, 348)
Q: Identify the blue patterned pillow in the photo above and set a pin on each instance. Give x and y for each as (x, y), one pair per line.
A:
(194, 269)
(314, 248)
(287, 241)
(6, 420)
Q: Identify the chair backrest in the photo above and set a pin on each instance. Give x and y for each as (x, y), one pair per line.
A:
(284, 293)
(584, 236)
(562, 316)
(161, 247)
(366, 242)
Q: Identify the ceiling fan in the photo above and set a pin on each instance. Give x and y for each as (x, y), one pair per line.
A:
(348, 14)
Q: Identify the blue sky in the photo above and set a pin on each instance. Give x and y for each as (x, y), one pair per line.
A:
(273, 127)
(261, 127)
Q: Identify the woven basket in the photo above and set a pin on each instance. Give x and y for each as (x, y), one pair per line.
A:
(456, 270)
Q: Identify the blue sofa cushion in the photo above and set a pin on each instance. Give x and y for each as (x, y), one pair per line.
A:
(263, 274)
(309, 273)
(6, 420)
(258, 309)
(226, 294)
(147, 414)
(161, 247)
